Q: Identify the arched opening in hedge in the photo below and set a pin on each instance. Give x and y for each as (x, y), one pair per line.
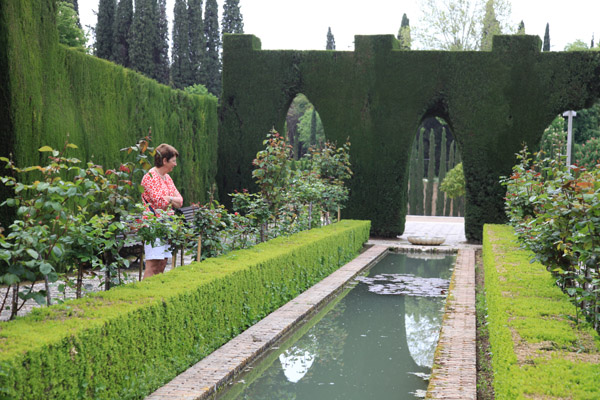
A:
(435, 149)
(303, 126)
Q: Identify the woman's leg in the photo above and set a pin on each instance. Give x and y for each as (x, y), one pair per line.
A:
(154, 267)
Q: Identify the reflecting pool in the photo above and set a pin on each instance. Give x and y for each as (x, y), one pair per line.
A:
(376, 340)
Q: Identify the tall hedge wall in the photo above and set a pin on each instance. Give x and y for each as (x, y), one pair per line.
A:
(50, 91)
(127, 342)
(378, 96)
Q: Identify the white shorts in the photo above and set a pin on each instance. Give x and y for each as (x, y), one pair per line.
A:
(158, 251)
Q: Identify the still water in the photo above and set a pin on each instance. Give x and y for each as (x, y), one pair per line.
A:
(374, 341)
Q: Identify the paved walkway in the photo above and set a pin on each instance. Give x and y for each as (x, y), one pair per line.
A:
(454, 373)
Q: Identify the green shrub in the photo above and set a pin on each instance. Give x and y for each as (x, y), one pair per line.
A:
(127, 342)
(554, 357)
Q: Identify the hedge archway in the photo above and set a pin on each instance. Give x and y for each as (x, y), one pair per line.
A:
(377, 96)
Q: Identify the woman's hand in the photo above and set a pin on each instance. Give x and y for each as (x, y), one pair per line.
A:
(177, 202)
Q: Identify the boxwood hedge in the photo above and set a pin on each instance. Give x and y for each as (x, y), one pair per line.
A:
(128, 341)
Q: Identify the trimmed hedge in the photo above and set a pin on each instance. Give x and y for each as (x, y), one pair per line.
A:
(53, 93)
(127, 342)
(378, 95)
(557, 358)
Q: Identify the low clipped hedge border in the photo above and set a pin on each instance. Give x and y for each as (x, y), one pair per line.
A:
(127, 342)
(522, 298)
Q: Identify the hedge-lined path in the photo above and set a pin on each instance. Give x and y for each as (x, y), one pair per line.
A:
(455, 373)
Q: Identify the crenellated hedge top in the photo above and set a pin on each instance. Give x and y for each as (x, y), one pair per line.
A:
(378, 95)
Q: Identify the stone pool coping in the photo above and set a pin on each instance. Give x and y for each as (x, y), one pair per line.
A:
(203, 380)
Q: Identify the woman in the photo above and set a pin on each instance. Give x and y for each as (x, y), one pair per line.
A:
(160, 194)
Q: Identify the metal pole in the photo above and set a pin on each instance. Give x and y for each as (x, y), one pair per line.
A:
(569, 114)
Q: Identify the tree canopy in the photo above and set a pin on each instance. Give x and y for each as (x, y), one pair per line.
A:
(458, 24)
(69, 32)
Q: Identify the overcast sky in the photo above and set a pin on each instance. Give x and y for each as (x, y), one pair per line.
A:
(302, 25)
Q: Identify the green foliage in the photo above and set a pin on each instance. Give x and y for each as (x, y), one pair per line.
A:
(310, 130)
(404, 33)
(546, 43)
(69, 33)
(232, 17)
(439, 209)
(363, 95)
(459, 25)
(197, 40)
(105, 29)
(525, 307)
(148, 46)
(330, 45)
(122, 32)
(491, 26)
(555, 211)
(182, 73)
(200, 90)
(454, 182)
(430, 175)
(587, 155)
(52, 92)
(183, 316)
(211, 68)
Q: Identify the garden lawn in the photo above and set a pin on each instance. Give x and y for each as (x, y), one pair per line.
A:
(538, 350)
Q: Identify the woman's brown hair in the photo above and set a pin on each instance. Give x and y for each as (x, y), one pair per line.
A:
(164, 152)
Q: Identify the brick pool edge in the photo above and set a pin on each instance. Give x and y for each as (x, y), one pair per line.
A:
(203, 379)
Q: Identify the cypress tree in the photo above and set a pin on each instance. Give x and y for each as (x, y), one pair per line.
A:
(143, 31)
(404, 33)
(105, 28)
(212, 63)
(430, 175)
(181, 67)
(330, 40)
(420, 172)
(161, 44)
(313, 128)
(491, 26)
(122, 30)
(451, 203)
(232, 17)
(521, 29)
(413, 197)
(196, 39)
(546, 45)
(439, 206)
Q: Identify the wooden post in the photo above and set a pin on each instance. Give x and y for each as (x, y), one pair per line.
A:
(339, 214)
(199, 255)
(141, 265)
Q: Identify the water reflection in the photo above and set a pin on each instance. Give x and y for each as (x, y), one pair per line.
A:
(295, 363)
(369, 345)
(423, 321)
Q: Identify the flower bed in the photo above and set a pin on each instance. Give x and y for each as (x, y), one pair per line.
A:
(538, 351)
